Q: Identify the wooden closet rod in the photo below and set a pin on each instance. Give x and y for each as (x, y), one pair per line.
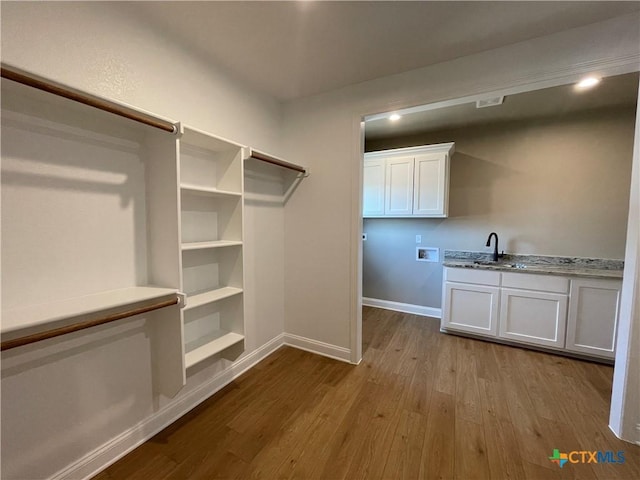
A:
(12, 73)
(276, 161)
(56, 332)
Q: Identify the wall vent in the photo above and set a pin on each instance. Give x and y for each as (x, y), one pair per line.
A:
(489, 102)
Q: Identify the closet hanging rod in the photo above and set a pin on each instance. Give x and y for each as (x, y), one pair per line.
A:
(56, 332)
(276, 161)
(20, 76)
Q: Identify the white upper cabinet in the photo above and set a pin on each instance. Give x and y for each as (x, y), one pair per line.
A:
(373, 191)
(431, 185)
(399, 187)
(407, 182)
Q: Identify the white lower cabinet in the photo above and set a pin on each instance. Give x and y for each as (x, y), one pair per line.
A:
(533, 308)
(593, 316)
(532, 317)
(471, 308)
(470, 301)
(576, 315)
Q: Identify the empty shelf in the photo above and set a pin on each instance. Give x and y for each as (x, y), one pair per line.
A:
(213, 244)
(40, 314)
(208, 346)
(194, 301)
(196, 189)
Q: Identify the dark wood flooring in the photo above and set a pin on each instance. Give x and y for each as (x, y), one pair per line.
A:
(421, 405)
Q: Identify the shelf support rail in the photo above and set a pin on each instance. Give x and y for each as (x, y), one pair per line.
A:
(263, 157)
(30, 80)
(56, 332)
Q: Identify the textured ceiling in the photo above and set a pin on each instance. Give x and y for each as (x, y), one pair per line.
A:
(294, 49)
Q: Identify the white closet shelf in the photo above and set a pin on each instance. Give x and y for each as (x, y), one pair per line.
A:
(213, 244)
(200, 190)
(43, 313)
(211, 296)
(205, 347)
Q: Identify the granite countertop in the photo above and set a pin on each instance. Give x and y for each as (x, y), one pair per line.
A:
(549, 265)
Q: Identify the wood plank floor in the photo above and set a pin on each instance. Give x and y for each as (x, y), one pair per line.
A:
(421, 405)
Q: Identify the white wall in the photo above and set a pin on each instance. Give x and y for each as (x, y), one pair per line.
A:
(103, 48)
(62, 400)
(322, 222)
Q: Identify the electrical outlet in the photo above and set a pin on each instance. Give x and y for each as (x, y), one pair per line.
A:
(418, 238)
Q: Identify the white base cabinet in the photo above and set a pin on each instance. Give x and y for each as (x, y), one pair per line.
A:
(470, 301)
(593, 316)
(533, 308)
(538, 318)
(576, 315)
(471, 308)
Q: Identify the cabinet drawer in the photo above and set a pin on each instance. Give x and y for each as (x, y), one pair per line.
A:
(474, 276)
(530, 281)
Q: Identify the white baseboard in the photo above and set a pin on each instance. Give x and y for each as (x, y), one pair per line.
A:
(402, 307)
(92, 463)
(320, 348)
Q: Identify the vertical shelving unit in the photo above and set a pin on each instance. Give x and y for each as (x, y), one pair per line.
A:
(211, 213)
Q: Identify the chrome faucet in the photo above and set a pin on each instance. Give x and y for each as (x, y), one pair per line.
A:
(495, 251)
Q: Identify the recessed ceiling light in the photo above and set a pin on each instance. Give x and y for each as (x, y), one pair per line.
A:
(395, 117)
(588, 82)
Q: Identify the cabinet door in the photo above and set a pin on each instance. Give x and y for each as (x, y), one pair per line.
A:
(470, 308)
(430, 185)
(373, 188)
(593, 316)
(533, 317)
(399, 186)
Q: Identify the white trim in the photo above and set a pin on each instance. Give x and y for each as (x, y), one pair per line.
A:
(625, 396)
(355, 251)
(448, 148)
(402, 307)
(107, 454)
(317, 347)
